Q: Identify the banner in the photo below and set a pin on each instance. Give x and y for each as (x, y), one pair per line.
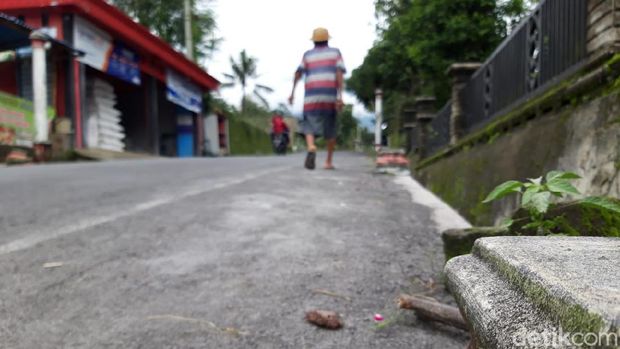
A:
(103, 54)
(94, 42)
(182, 92)
(123, 64)
(17, 120)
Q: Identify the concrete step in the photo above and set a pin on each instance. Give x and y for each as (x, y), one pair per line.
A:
(516, 284)
(499, 314)
(575, 279)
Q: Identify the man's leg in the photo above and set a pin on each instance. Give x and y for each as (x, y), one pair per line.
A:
(311, 156)
(331, 145)
(310, 143)
(330, 129)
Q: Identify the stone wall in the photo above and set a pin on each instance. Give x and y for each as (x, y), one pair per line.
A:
(572, 125)
(584, 138)
(603, 24)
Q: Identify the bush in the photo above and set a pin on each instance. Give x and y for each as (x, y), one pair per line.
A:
(246, 139)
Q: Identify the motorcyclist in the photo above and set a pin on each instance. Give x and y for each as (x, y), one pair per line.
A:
(279, 127)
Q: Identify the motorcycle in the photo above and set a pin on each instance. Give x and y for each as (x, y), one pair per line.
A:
(280, 143)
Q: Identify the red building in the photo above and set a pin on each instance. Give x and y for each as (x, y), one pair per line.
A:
(129, 90)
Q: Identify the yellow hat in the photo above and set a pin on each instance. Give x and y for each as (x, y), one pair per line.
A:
(320, 34)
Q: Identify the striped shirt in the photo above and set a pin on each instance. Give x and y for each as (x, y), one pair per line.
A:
(320, 65)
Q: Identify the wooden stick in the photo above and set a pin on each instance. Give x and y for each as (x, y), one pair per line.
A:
(433, 310)
(332, 294)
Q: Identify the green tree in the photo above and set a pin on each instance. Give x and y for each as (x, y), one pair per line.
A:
(216, 105)
(165, 19)
(243, 70)
(387, 10)
(447, 31)
(418, 40)
(347, 127)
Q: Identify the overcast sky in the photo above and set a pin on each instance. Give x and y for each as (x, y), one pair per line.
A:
(277, 32)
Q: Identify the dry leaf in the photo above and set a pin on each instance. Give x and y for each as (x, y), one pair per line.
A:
(324, 318)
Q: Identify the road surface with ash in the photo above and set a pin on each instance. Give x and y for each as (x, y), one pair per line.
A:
(216, 253)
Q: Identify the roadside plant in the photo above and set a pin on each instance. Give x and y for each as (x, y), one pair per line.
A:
(537, 195)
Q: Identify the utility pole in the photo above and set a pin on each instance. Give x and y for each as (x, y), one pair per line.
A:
(39, 91)
(378, 117)
(358, 137)
(39, 86)
(189, 43)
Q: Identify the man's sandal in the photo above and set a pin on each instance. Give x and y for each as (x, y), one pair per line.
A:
(310, 160)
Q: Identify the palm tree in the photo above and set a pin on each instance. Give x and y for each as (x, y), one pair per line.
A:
(243, 70)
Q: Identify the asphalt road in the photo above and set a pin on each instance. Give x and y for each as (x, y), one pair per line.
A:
(213, 253)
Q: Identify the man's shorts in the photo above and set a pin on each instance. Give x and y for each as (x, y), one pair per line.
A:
(319, 125)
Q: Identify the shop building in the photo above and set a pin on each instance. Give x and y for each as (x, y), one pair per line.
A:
(17, 114)
(127, 90)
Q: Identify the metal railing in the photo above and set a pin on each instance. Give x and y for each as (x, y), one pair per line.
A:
(439, 130)
(551, 40)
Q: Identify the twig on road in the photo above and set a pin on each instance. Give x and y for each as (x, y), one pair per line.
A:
(428, 308)
(227, 330)
(331, 294)
(53, 265)
(429, 285)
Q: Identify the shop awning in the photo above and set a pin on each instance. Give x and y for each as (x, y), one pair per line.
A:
(15, 34)
(114, 21)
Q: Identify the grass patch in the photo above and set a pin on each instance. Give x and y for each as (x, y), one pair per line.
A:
(247, 139)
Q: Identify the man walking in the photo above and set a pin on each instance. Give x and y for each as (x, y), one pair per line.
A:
(324, 70)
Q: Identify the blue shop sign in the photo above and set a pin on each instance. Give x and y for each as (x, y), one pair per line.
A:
(182, 92)
(124, 64)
